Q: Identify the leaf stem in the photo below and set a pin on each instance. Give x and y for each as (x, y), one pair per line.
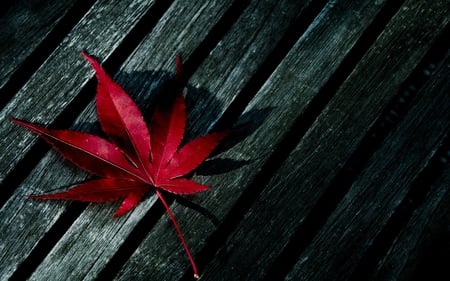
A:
(180, 235)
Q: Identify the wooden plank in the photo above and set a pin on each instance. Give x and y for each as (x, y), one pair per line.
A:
(421, 249)
(378, 191)
(287, 200)
(23, 26)
(283, 98)
(42, 99)
(79, 239)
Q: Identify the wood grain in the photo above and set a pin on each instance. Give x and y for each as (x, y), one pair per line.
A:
(46, 95)
(95, 226)
(312, 90)
(378, 191)
(23, 26)
(74, 243)
(41, 100)
(420, 250)
(287, 93)
(295, 189)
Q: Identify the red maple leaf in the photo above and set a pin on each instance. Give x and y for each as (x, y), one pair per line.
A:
(135, 158)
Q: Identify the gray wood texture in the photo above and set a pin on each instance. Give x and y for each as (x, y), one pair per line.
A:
(305, 175)
(421, 240)
(71, 244)
(378, 191)
(23, 26)
(303, 83)
(43, 97)
(287, 93)
(79, 239)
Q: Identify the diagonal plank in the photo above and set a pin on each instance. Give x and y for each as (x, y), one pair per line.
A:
(378, 191)
(80, 239)
(23, 27)
(287, 93)
(287, 200)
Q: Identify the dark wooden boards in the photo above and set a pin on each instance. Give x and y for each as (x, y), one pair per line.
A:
(24, 26)
(421, 249)
(309, 87)
(42, 99)
(374, 197)
(293, 192)
(45, 95)
(282, 99)
(79, 239)
(150, 64)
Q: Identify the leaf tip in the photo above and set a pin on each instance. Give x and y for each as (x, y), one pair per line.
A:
(121, 212)
(90, 58)
(25, 124)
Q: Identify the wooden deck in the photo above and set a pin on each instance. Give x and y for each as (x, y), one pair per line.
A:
(337, 170)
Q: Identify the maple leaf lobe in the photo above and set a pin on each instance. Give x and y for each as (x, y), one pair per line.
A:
(120, 118)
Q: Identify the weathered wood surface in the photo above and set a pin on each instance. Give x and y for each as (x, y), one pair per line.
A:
(421, 249)
(24, 26)
(342, 112)
(306, 174)
(369, 203)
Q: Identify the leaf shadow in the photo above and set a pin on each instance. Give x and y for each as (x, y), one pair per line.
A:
(151, 88)
(199, 209)
(245, 126)
(220, 166)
